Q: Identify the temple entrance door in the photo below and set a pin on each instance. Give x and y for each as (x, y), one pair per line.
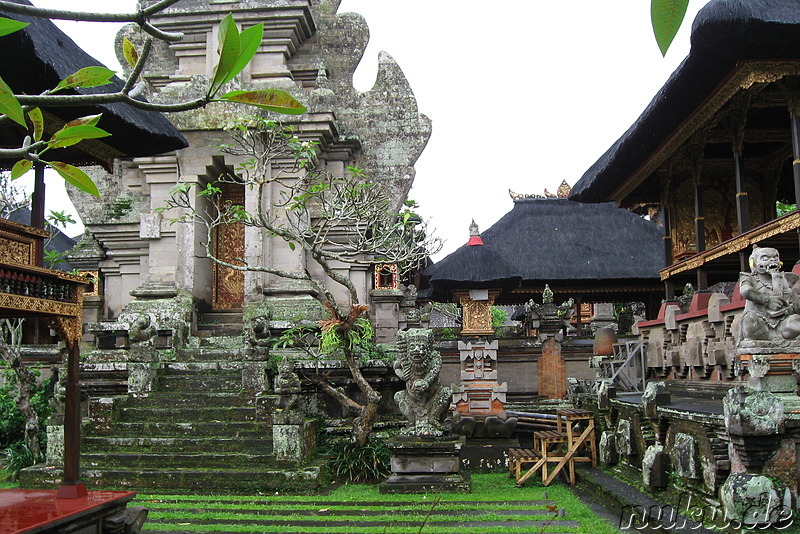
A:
(228, 246)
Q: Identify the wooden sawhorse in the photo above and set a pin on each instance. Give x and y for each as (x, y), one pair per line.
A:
(551, 446)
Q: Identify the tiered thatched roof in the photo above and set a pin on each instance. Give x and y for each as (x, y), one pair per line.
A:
(594, 247)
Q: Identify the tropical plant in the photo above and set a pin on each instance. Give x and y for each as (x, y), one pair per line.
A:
(235, 50)
(784, 208)
(499, 317)
(18, 457)
(360, 464)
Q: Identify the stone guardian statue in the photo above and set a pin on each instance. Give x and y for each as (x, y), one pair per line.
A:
(424, 401)
(771, 316)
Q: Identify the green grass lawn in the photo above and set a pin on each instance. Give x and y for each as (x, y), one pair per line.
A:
(494, 506)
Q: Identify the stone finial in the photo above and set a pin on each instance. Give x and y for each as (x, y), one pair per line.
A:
(547, 295)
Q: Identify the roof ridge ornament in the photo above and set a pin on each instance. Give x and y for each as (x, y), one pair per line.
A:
(474, 235)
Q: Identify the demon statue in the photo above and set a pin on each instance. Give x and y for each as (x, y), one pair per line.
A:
(771, 319)
(424, 401)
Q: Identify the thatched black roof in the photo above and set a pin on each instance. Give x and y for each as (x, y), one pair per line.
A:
(725, 33)
(39, 56)
(555, 239)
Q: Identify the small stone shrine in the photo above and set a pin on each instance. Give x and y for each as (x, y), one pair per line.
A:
(425, 456)
(550, 322)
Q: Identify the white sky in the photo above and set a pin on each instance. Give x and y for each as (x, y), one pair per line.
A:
(522, 93)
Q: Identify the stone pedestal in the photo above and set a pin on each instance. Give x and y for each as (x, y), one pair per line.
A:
(293, 438)
(426, 465)
(603, 317)
(774, 373)
(552, 371)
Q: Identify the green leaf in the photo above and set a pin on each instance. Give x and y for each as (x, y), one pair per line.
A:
(86, 77)
(10, 106)
(229, 48)
(130, 52)
(292, 246)
(8, 26)
(249, 41)
(70, 135)
(35, 115)
(667, 16)
(90, 120)
(75, 176)
(20, 168)
(275, 100)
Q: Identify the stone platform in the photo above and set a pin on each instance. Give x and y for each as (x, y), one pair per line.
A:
(425, 465)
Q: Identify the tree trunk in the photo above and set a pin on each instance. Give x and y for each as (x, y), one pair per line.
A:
(362, 426)
(25, 380)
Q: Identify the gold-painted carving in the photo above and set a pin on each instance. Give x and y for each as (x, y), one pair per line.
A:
(13, 251)
(476, 315)
(228, 287)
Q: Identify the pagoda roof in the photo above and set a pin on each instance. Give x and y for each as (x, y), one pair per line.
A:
(726, 34)
(37, 57)
(544, 240)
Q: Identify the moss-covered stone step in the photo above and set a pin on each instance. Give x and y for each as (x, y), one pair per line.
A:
(209, 353)
(211, 480)
(176, 460)
(100, 444)
(212, 428)
(219, 382)
(187, 414)
(159, 399)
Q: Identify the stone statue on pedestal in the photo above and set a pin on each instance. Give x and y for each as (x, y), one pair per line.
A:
(424, 401)
(771, 319)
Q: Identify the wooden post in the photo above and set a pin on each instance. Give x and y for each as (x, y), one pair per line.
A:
(37, 209)
(71, 486)
(700, 231)
(794, 113)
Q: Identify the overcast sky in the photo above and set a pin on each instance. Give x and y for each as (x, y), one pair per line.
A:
(522, 94)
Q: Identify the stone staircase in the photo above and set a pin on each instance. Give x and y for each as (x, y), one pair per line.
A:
(198, 430)
(219, 323)
(204, 426)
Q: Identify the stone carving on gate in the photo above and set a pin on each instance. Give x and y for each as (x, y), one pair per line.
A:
(479, 391)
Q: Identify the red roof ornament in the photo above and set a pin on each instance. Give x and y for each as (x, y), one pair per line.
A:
(474, 237)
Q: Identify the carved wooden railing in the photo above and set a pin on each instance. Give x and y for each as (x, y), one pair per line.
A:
(28, 291)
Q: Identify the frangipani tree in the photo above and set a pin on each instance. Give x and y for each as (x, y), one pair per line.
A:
(335, 220)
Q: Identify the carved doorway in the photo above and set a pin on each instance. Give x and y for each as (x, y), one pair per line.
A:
(228, 246)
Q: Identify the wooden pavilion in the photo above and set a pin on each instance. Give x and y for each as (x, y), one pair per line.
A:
(717, 146)
(36, 59)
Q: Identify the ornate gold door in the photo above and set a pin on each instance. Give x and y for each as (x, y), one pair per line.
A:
(228, 290)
